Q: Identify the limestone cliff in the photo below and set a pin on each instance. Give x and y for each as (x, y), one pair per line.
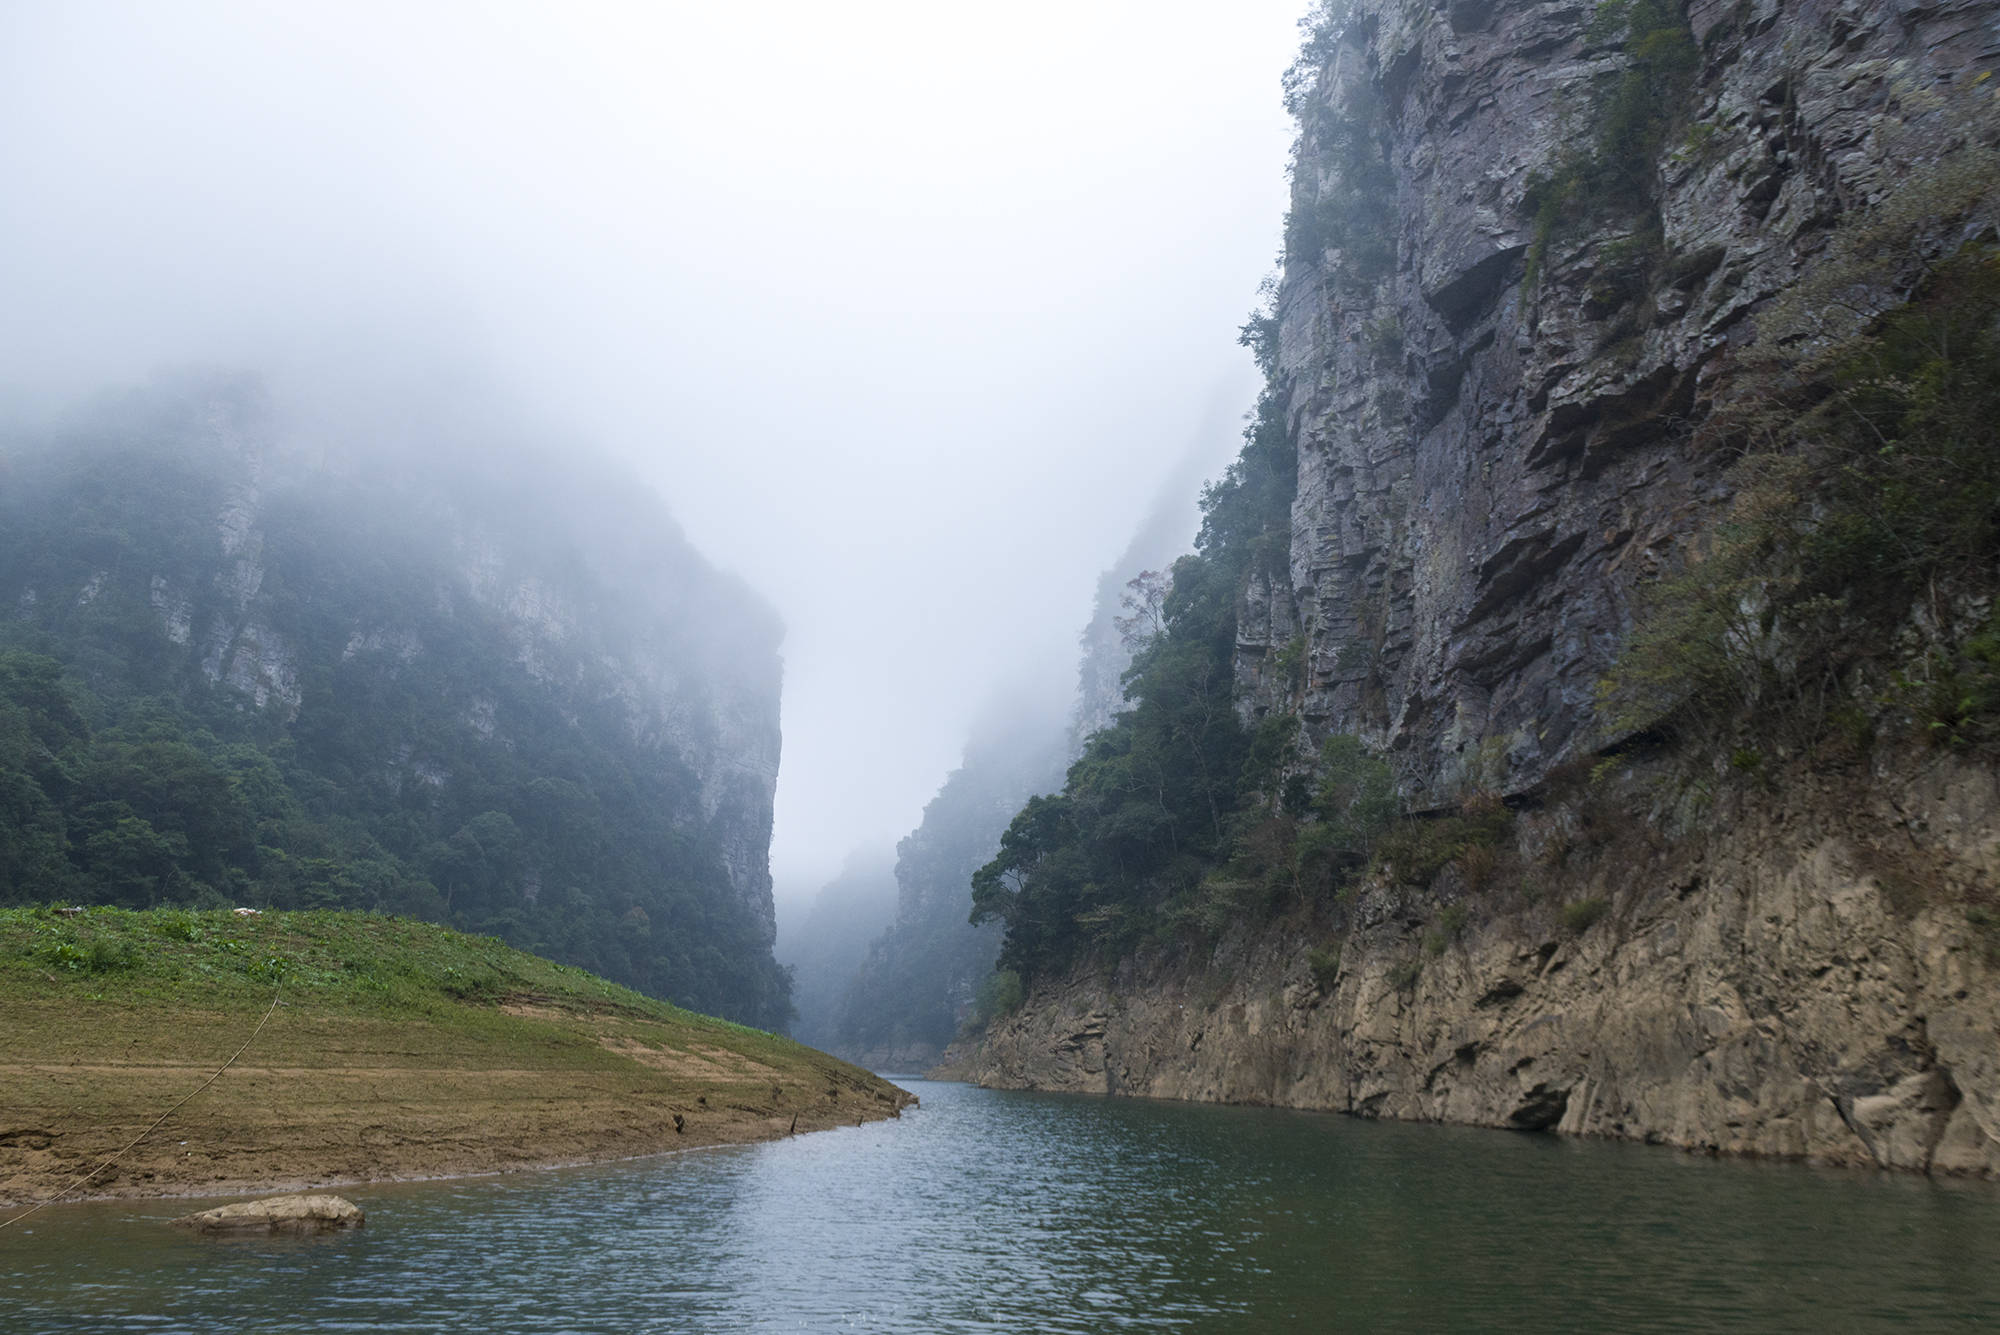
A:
(1490, 457)
(1529, 249)
(1766, 978)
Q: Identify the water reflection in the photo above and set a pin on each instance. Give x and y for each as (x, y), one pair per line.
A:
(992, 1212)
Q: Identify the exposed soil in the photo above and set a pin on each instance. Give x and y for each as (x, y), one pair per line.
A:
(322, 1099)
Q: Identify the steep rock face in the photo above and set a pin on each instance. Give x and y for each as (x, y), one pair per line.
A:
(1489, 456)
(1769, 990)
(1504, 395)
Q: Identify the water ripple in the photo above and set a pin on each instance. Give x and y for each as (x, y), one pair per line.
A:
(986, 1212)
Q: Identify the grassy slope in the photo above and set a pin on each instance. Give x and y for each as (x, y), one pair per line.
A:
(396, 1049)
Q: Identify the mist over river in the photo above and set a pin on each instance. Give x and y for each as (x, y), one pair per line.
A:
(992, 1211)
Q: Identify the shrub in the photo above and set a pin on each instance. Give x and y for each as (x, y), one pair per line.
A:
(1324, 961)
(1000, 994)
(1582, 914)
(1476, 864)
(1354, 212)
(93, 956)
(174, 926)
(1871, 485)
(1357, 801)
(1417, 850)
(1616, 172)
(270, 968)
(1404, 976)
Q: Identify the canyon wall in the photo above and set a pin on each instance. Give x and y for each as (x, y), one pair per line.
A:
(1502, 350)
(1491, 458)
(1778, 975)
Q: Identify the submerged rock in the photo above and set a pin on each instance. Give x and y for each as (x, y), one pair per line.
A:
(278, 1214)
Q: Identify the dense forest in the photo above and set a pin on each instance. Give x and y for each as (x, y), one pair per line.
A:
(220, 686)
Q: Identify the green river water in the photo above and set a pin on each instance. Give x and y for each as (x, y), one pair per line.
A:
(987, 1211)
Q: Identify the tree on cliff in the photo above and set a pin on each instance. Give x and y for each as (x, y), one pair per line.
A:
(1147, 809)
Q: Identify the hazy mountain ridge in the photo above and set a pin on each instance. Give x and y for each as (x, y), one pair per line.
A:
(824, 948)
(917, 986)
(465, 680)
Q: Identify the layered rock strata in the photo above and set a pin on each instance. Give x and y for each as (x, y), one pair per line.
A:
(1765, 978)
(1497, 409)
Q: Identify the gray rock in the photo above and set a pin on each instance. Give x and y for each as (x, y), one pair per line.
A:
(1752, 991)
(278, 1214)
(1488, 464)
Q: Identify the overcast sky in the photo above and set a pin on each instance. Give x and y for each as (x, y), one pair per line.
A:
(907, 308)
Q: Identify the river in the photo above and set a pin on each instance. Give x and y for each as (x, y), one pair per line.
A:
(988, 1211)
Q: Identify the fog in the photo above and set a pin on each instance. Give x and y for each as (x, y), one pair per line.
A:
(907, 310)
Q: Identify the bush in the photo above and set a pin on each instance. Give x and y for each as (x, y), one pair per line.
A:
(1001, 994)
(1871, 487)
(1476, 864)
(96, 955)
(268, 968)
(1581, 915)
(1616, 173)
(1354, 211)
(175, 926)
(1404, 976)
(1324, 961)
(1418, 850)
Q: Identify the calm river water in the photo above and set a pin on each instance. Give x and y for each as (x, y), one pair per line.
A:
(987, 1211)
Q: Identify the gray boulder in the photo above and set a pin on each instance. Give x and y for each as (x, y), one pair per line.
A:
(278, 1214)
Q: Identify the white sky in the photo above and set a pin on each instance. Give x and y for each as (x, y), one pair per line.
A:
(906, 308)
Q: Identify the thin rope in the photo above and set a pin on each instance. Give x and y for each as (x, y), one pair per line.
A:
(85, 1179)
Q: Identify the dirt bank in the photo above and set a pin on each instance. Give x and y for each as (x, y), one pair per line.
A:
(338, 1089)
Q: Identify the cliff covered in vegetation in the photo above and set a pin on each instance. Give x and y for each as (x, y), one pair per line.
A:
(251, 659)
(1580, 711)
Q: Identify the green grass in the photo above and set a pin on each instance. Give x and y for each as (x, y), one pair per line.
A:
(376, 1047)
(326, 962)
(343, 960)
